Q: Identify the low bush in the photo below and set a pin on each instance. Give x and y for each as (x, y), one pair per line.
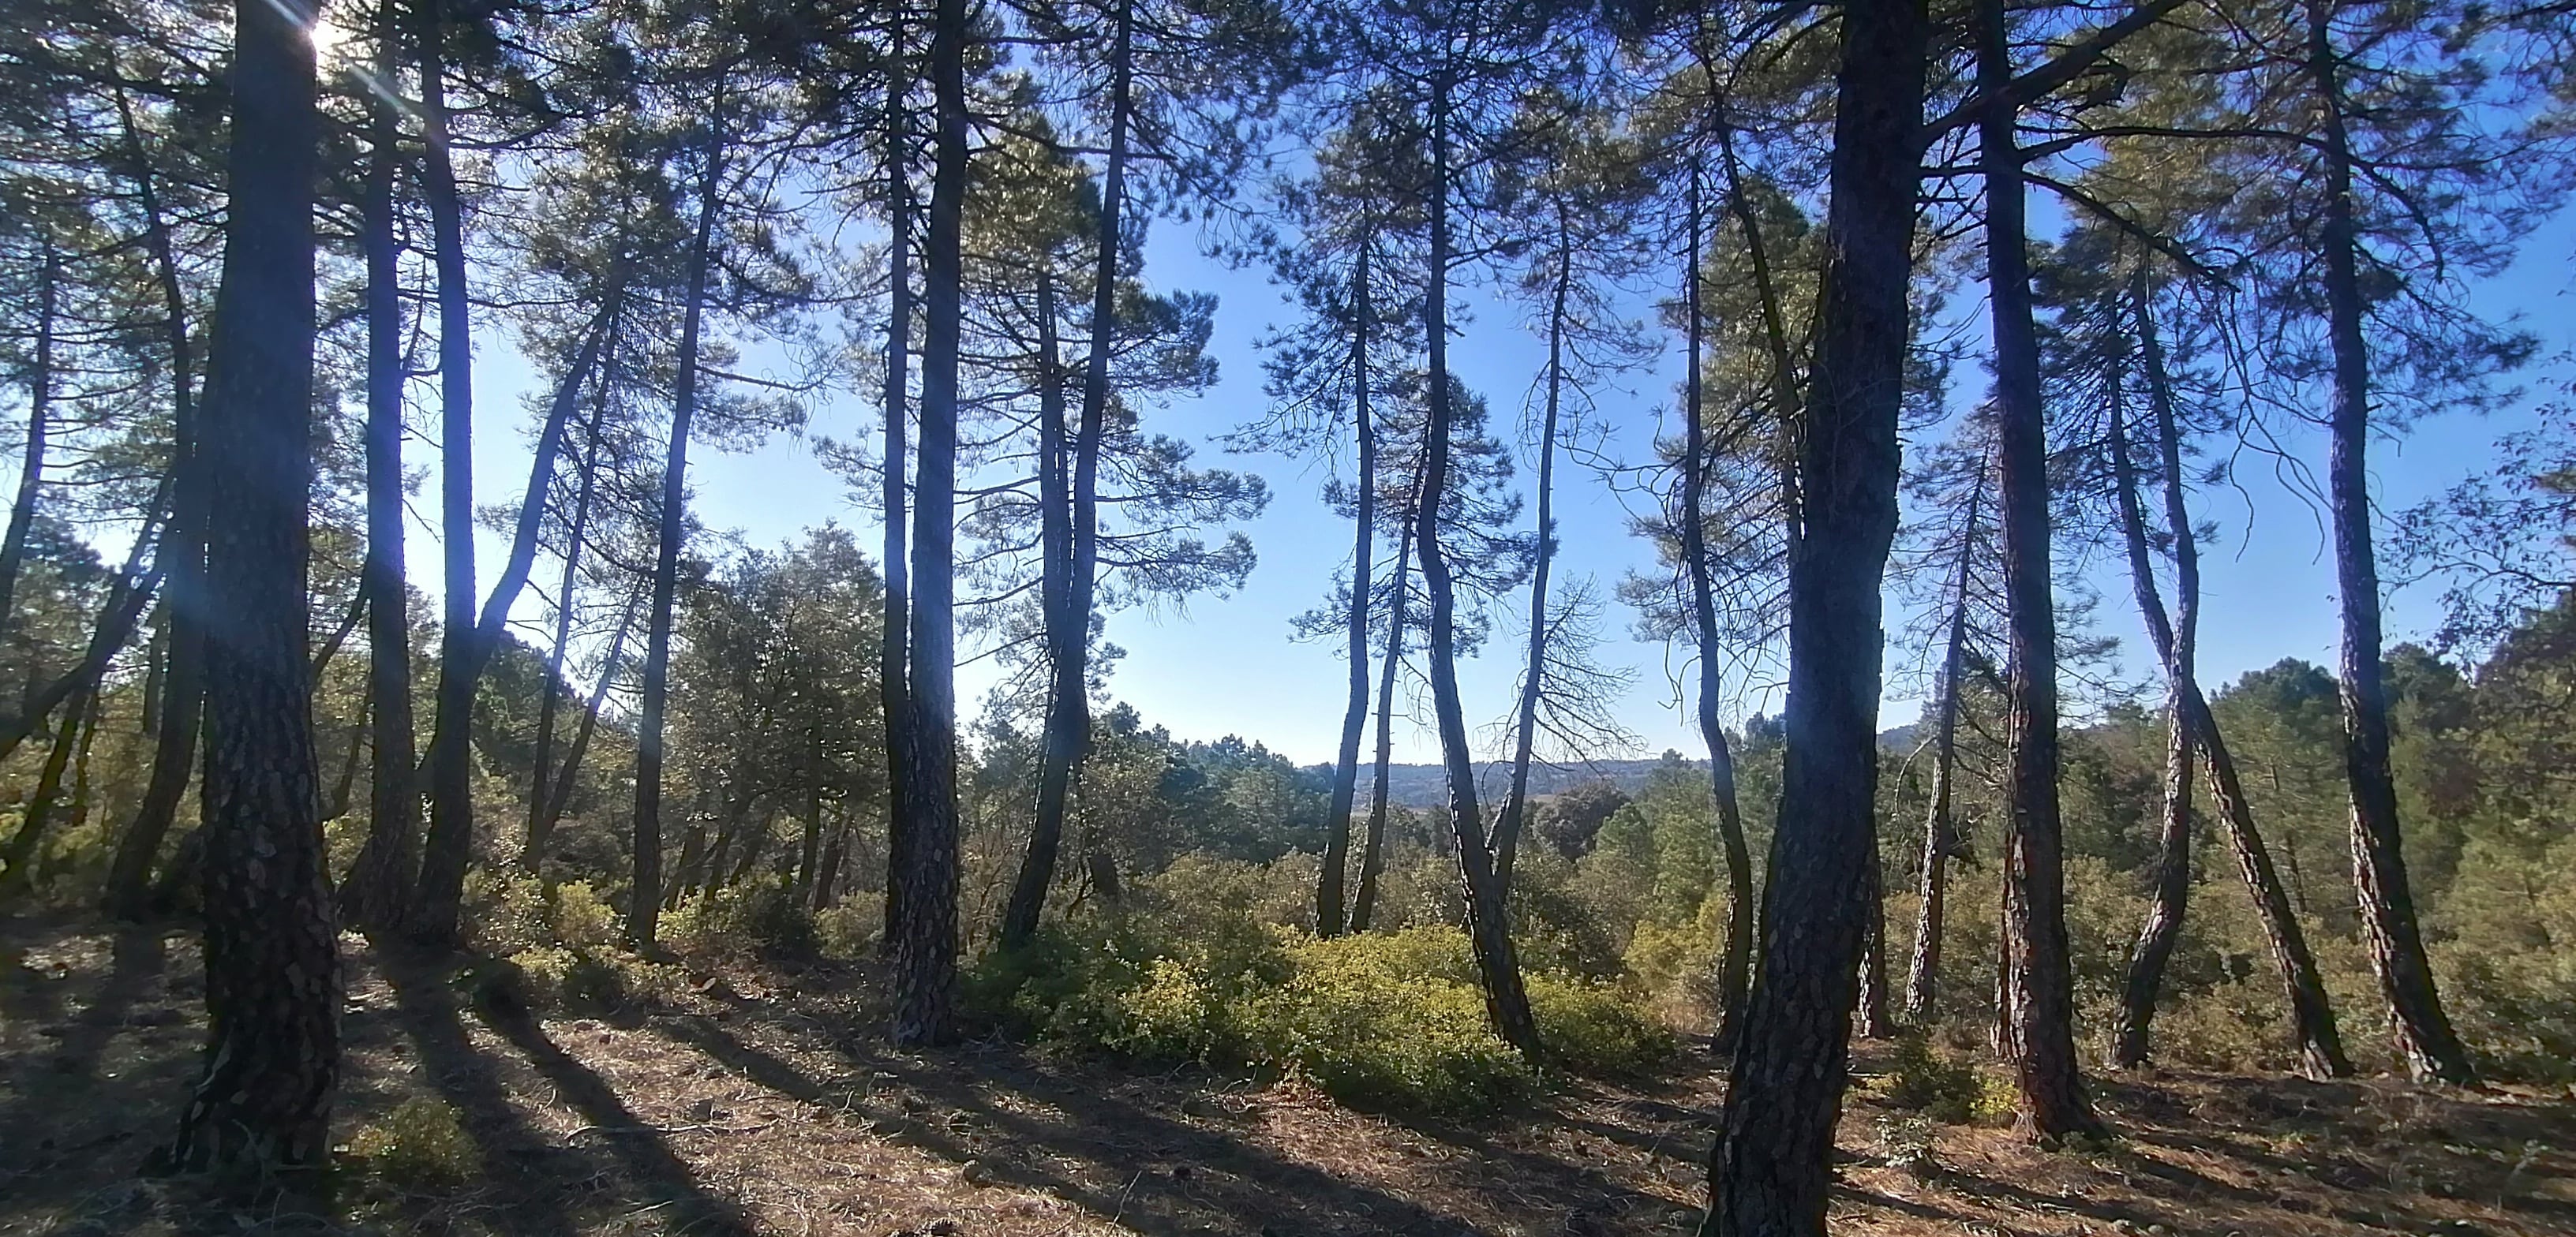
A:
(1947, 1089)
(1392, 1021)
(421, 1144)
(760, 915)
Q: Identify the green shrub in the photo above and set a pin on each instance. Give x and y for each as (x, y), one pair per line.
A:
(848, 928)
(551, 977)
(420, 1144)
(583, 919)
(756, 916)
(1922, 1078)
(1595, 1026)
(508, 911)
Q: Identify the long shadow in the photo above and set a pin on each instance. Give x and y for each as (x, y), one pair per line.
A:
(647, 1159)
(1219, 1185)
(513, 1151)
(64, 1112)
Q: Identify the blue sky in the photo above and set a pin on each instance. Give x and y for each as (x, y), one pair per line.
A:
(1227, 666)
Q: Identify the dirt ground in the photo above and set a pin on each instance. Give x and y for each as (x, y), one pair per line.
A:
(770, 1103)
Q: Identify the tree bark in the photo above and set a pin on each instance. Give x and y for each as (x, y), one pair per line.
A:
(2041, 993)
(646, 895)
(560, 799)
(31, 464)
(540, 790)
(1507, 827)
(1770, 1169)
(450, 838)
(1373, 842)
(1488, 922)
(1869, 1016)
(893, 649)
(2424, 1036)
(1940, 837)
(925, 965)
(1330, 918)
(379, 895)
(1736, 959)
(20, 853)
(272, 1057)
(1063, 643)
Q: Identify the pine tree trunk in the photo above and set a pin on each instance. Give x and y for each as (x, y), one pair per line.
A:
(20, 853)
(2424, 1036)
(1330, 917)
(893, 649)
(1771, 1168)
(566, 593)
(181, 712)
(1063, 642)
(1488, 923)
(566, 778)
(378, 896)
(31, 464)
(449, 841)
(925, 954)
(1940, 835)
(1373, 842)
(1508, 826)
(1736, 959)
(1869, 1017)
(272, 1057)
(645, 898)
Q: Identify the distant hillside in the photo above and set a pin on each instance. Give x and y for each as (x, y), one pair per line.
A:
(1425, 786)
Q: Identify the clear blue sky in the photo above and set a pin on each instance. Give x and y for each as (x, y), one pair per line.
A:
(1228, 666)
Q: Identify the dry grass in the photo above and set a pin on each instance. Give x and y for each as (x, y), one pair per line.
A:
(768, 1103)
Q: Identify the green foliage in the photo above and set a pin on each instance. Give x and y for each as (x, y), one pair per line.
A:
(759, 915)
(421, 1144)
(1923, 1078)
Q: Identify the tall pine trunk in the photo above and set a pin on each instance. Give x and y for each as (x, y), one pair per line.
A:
(645, 897)
(925, 953)
(1508, 826)
(1736, 958)
(31, 463)
(378, 896)
(450, 772)
(1063, 651)
(2424, 1036)
(1770, 1169)
(559, 800)
(272, 1058)
(1488, 921)
(1373, 840)
(180, 717)
(1330, 915)
(2041, 988)
(893, 648)
(1067, 735)
(1940, 834)
(586, 488)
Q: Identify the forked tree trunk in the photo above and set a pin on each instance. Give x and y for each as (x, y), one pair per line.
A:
(1770, 1170)
(1330, 917)
(1373, 841)
(1488, 922)
(2424, 1036)
(925, 953)
(272, 1058)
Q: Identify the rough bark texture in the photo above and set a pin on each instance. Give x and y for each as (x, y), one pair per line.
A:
(2422, 1030)
(925, 953)
(1373, 841)
(1735, 959)
(1330, 913)
(1870, 1018)
(643, 912)
(1771, 1167)
(1488, 923)
(2041, 994)
(378, 895)
(450, 773)
(272, 964)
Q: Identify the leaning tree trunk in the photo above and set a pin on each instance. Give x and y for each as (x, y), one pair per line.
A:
(559, 800)
(1508, 826)
(378, 897)
(179, 719)
(1940, 835)
(893, 647)
(1736, 960)
(450, 839)
(272, 952)
(1067, 734)
(551, 707)
(2042, 988)
(925, 953)
(1329, 914)
(31, 464)
(2422, 1030)
(1770, 1170)
(645, 900)
(1373, 840)
(19, 854)
(1488, 922)
(1063, 641)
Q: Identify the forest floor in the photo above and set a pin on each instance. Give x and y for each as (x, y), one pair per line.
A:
(769, 1102)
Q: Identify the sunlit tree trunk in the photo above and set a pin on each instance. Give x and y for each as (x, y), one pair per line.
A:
(1373, 841)
(1330, 918)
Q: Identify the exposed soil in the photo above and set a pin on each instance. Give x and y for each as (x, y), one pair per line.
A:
(770, 1103)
